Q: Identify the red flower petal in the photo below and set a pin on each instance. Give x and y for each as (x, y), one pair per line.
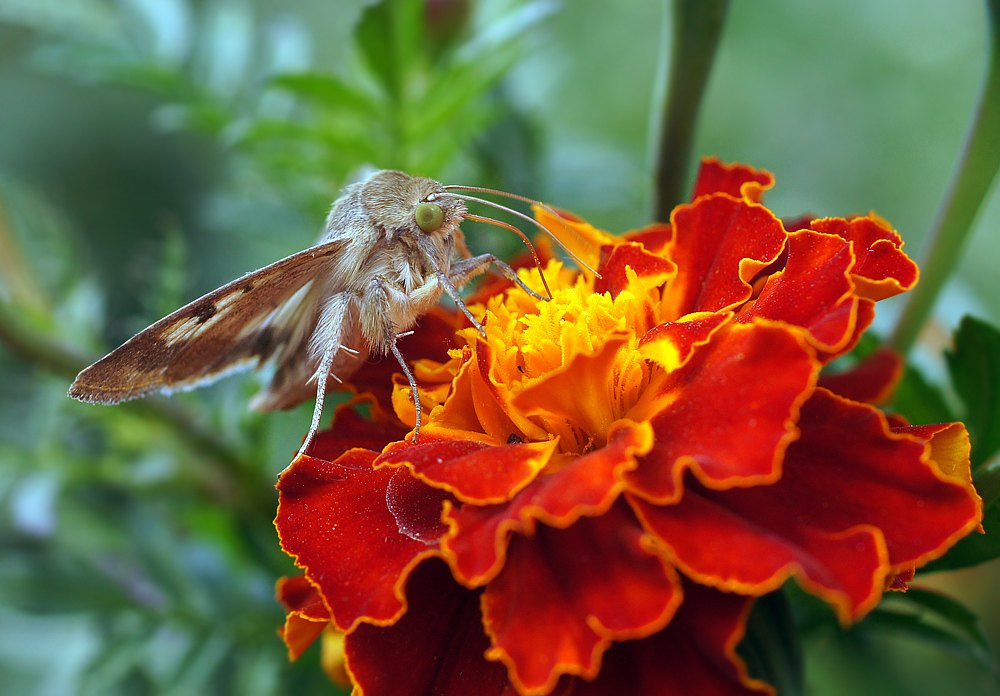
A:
(882, 269)
(853, 502)
(871, 381)
(721, 539)
(716, 177)
(950, 447)
(738, 399)
(473, 472)
(654, 237)
(672, 343)
(435, 648)
(477, 543)
(719, 245)
(307, 615)
(349, 430)
(695, 655)
(565, 594)
(652, 268)
(299, 595)
(336, 519)
(813, 291)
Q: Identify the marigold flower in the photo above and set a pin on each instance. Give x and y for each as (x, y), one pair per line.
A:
(604, 482)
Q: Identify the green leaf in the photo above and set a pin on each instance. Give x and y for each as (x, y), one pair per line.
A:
(920, 401)
(387, 35)
(975, 371)
(327, 90)
(771, 645)
(937, 619)
(452, 95)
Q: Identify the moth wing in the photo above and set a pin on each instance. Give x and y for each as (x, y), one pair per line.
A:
(239, 325)
(335, 322)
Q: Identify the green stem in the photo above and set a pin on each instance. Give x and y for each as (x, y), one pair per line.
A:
(973, 178)
(36, 349)
(697, 26)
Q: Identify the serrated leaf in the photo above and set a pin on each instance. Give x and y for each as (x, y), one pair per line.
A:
(975, 371)
(935, 618)
(771, 645)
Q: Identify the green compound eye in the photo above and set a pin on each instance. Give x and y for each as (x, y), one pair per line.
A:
(429, 216)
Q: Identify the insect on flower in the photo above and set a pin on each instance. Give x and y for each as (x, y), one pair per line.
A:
(391, 246)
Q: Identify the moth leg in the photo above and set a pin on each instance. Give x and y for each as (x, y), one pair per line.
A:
(413, 388)
(323, 373)
(466, 269)
(453, 293)
(333, 316)
(377, 326)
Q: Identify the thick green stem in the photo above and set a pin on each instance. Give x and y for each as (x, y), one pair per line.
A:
(697, 26)
(973, 178)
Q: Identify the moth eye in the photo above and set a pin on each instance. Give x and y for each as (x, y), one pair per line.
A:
(429, 216)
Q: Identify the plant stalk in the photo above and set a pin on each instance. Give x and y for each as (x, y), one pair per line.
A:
(971, 182)
(697, 27)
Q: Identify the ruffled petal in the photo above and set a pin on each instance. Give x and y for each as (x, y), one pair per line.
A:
(871, 381)
(477, 541)
(307, 615)
(652, 268)
(882, 269)
(720, 244)
(336, 520)
(694, 654)
(734, 413)
(565, 594)
(435, 648)
(813, 290)
(654, 238)
(731, 179)
(473, 472)
(855, 501)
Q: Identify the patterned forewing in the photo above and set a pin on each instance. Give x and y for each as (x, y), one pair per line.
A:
(222, 331)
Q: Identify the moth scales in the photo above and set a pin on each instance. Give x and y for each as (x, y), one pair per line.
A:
(390, 248)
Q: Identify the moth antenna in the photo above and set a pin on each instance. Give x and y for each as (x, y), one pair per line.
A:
(524, 199)
(534, 254)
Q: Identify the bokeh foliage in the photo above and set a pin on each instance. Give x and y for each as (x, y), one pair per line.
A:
(152, 150)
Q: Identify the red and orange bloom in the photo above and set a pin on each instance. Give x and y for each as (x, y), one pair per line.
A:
(605, 482)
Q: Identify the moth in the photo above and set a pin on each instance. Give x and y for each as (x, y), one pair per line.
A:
(390, 248)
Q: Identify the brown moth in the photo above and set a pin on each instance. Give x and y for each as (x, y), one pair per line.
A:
(390, 248)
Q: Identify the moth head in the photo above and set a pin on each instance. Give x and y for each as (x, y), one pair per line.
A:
(404, 204)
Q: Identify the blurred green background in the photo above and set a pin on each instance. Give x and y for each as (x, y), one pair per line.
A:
(151, 150)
